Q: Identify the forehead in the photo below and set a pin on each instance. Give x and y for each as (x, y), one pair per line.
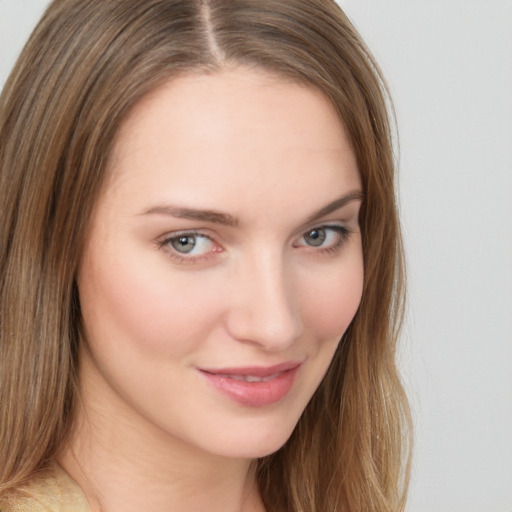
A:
(230, 132)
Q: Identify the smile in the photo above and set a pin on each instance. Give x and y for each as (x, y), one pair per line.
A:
(256, 386)
(251, 378)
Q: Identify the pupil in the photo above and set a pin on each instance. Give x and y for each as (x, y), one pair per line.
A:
(184, 244)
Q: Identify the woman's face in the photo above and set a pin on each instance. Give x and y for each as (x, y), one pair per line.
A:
(223, 263)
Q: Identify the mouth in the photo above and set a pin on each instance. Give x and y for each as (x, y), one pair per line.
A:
(249, 378)
(256, 386)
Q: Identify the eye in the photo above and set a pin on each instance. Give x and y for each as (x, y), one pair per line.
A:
(324, 237)
(189, 245)
(184, 244)
(316, 237)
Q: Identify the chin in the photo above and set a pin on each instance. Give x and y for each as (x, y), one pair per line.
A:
(252, 442)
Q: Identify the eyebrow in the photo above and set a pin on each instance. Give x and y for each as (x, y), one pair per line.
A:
(226, 219)
(337, 204)
(213, 216)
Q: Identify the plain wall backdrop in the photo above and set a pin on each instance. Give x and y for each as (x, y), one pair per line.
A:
(449, 67)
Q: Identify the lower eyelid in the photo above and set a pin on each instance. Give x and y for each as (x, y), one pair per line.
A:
(342, 233)
(166, 243)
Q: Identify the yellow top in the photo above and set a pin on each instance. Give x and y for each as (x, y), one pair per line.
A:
(55, 491)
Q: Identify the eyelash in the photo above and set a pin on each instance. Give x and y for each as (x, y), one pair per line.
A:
(341, 232)
(342, 235)
(183, 257)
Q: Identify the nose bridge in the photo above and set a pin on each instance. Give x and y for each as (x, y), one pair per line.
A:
(265, 310)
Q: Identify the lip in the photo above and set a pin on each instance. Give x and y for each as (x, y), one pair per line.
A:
(277, 383)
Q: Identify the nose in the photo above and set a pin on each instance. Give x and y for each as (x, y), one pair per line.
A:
(264, 308)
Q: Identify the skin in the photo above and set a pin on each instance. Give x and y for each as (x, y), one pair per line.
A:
(260, 289)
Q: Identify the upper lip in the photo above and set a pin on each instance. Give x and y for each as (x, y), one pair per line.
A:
(255, 371)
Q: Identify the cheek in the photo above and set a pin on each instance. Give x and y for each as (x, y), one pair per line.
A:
(140, 307)
(330, 301)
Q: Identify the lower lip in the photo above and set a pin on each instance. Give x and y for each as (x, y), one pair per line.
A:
(254, 394)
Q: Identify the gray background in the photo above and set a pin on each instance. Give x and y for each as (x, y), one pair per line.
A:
(449, 66)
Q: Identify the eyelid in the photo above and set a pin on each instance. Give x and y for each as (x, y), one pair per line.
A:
(164, 243)
(341, 230)
(328, 224)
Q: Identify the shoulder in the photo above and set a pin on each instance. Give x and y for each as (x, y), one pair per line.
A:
(52, 491)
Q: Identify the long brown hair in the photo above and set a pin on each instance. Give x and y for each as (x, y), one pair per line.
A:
(87, 63)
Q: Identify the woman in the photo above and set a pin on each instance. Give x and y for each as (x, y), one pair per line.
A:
(201, 265)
